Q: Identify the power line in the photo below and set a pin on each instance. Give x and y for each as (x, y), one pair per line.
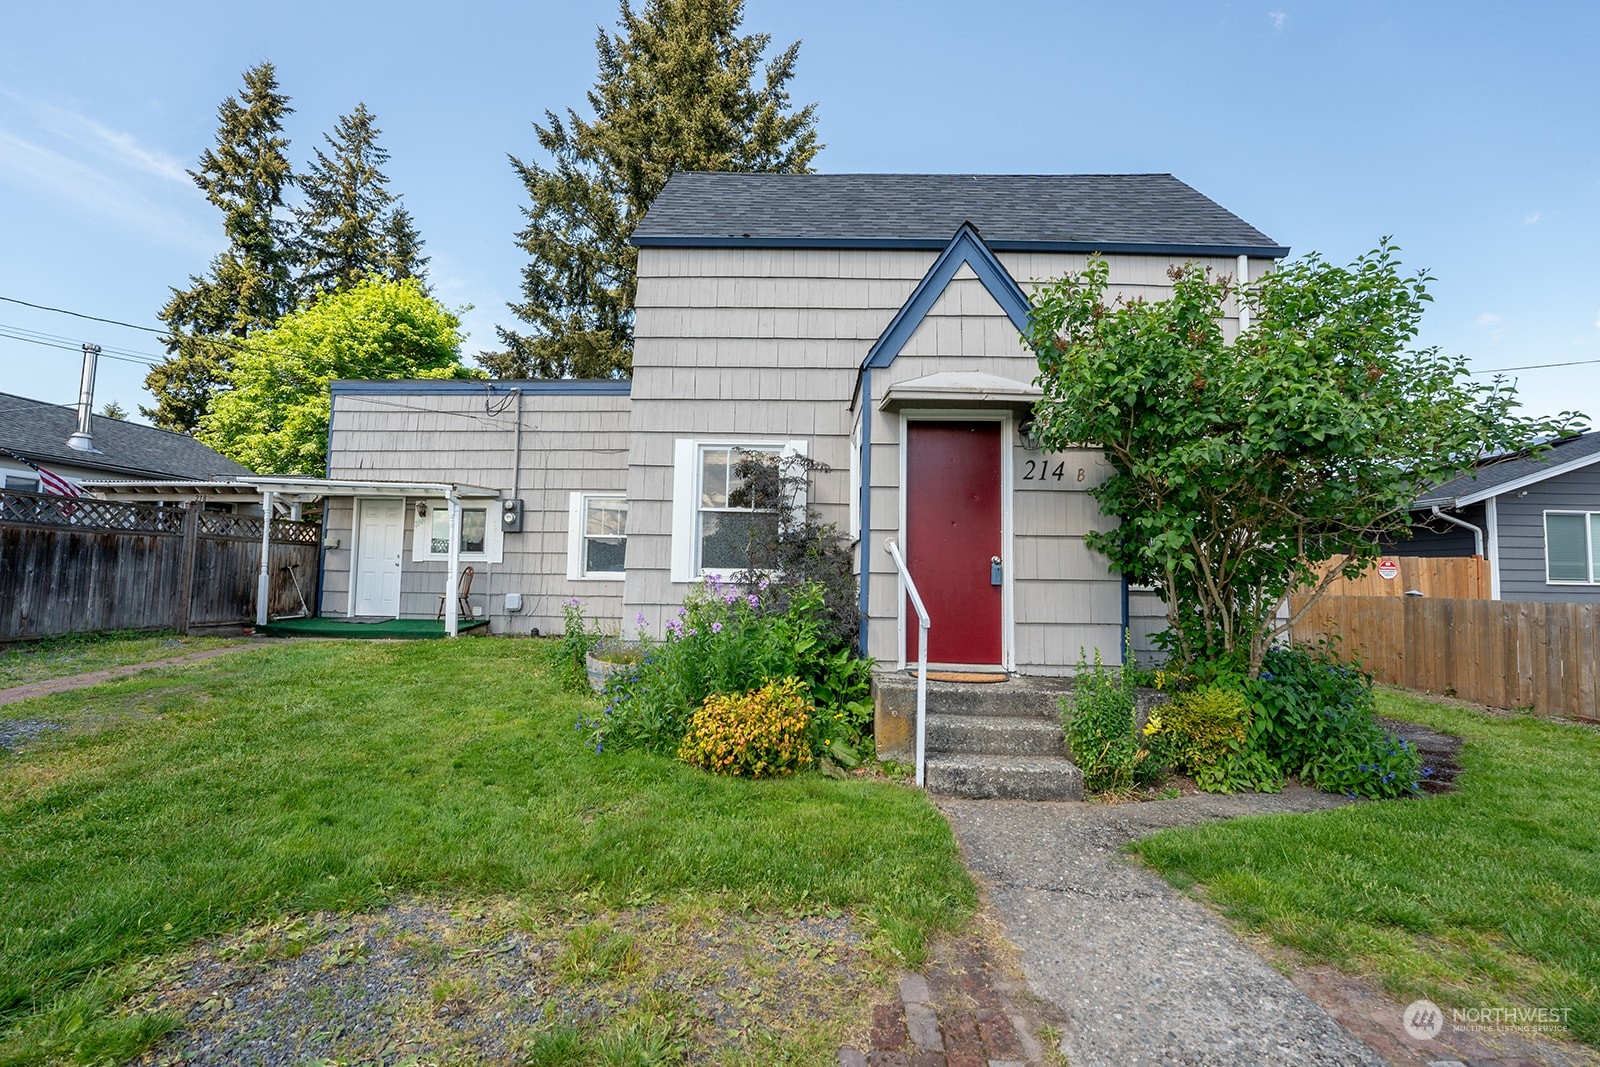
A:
(75, 345)
(210, 339)
(46, 342)
(1538, 366)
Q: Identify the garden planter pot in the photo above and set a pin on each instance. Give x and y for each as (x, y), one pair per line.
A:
(600, 670)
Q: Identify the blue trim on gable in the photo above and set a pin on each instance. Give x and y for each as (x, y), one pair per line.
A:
(966, 247)
(914, 244)
(467, 386)
(863, 600)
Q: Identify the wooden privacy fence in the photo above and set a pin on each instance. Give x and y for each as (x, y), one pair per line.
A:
(1495, 652)
(73, 565)
(1453, 577)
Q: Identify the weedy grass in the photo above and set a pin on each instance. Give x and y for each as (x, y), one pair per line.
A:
(57, 657)
(334, 775)
(1485, 897)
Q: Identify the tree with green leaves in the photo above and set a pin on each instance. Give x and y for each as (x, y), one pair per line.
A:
(679, 88)
(250, 283)
(1239, 467)
(350, 224)
(274, 416)
(114, 410)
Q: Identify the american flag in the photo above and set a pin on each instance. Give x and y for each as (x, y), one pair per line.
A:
(52, 483)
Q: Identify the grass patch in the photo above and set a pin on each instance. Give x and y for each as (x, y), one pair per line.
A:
(332, 776)
(1489, 896)
(57, 657)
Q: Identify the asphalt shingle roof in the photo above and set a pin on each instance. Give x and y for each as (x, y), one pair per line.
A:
(39, 430)
(1013, 212)
(1482, 482)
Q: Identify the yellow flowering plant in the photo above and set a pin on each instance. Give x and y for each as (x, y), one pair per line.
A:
(759, 733)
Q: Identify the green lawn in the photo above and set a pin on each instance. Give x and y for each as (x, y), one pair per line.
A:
(1486, 897)
(56, 657)
(338, 775)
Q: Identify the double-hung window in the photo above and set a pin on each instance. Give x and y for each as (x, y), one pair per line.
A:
(716, 515)
(597, 536)
(1572, 546)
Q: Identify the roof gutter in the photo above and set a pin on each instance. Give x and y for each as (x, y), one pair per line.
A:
(1477, 534)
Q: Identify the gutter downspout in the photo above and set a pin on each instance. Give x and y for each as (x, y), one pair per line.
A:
(1477, 534)
(865, 533)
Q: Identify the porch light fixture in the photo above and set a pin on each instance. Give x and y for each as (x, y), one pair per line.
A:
(1029, 441)
(422, 509)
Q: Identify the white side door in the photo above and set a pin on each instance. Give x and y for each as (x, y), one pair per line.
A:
(380, 536)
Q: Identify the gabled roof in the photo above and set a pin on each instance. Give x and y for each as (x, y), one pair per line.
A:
(1144, 213)
(39, 430)
(1514, 472)
(965, 249)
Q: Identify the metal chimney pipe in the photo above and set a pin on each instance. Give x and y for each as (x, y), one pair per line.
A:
(81, 439)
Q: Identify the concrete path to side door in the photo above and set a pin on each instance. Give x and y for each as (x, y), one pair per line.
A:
(1146, 976)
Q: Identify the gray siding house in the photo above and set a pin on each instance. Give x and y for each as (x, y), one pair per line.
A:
(870, 322)
(1536, 519)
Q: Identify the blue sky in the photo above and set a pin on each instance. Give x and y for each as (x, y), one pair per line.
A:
(1465, 130)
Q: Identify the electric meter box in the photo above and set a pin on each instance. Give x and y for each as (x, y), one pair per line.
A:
(511, 516)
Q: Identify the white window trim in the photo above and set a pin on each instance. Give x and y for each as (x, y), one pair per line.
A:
(577, 514)
(422, 532)
(1588, 546)
(686, 497)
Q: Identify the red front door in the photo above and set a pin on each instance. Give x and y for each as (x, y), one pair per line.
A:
(952, 533)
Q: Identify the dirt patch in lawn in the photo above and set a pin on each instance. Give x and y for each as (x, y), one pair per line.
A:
(428, 981)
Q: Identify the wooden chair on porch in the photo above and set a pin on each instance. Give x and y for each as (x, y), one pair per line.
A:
(462, 592)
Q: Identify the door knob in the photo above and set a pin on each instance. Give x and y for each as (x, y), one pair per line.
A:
(995, 570)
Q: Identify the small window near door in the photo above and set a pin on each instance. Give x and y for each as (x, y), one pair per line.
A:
(474, 528)
(481, 539)
(22, 485)
(597, 536)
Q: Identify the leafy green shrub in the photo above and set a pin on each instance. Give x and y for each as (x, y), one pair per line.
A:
(1314, 717)
(577, 638)
(728, 640)
(764, 732)
(1205, 733)
(1098, 719)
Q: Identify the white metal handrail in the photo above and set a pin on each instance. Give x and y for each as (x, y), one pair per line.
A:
(907, 586)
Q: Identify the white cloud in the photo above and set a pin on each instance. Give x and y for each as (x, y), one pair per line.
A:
(1486, 320)
(90, 189)
(1597, 321)
(1532, 218)
(1278, 18)
(85, 132)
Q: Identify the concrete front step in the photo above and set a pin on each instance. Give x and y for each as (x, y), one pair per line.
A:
(998, 735)
(1004, 777)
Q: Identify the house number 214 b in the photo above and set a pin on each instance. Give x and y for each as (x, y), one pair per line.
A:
(1042, 470)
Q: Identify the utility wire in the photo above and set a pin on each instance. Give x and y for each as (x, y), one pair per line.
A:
(211, 339)
(1538, 366)
(5, 332)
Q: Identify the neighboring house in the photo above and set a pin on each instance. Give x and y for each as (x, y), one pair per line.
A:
(1536, 519)
(45, 432)
(870, 322)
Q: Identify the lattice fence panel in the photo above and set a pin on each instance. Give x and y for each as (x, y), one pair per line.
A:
(40, 509)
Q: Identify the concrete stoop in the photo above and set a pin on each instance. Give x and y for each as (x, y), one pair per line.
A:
(997, 740)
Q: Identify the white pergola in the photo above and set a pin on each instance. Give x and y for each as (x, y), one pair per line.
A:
(302, 489)
(295, 492)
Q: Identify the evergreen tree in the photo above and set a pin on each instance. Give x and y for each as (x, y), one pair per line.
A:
(114, 410)
(350, 224)
(678, 89)
(250, 282)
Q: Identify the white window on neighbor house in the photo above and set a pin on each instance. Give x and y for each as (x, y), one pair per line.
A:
(597, 536)
(1572, 547)
(430, 532)
(715, 516)
(22, 483)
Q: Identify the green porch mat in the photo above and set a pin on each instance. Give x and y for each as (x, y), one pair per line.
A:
(386, 630)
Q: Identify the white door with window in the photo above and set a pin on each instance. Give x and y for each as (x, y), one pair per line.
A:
(380, 537)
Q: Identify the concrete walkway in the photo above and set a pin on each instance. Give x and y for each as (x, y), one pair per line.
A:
(1145, 976)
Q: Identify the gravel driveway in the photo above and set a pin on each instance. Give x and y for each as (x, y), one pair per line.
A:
(1145, 975)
